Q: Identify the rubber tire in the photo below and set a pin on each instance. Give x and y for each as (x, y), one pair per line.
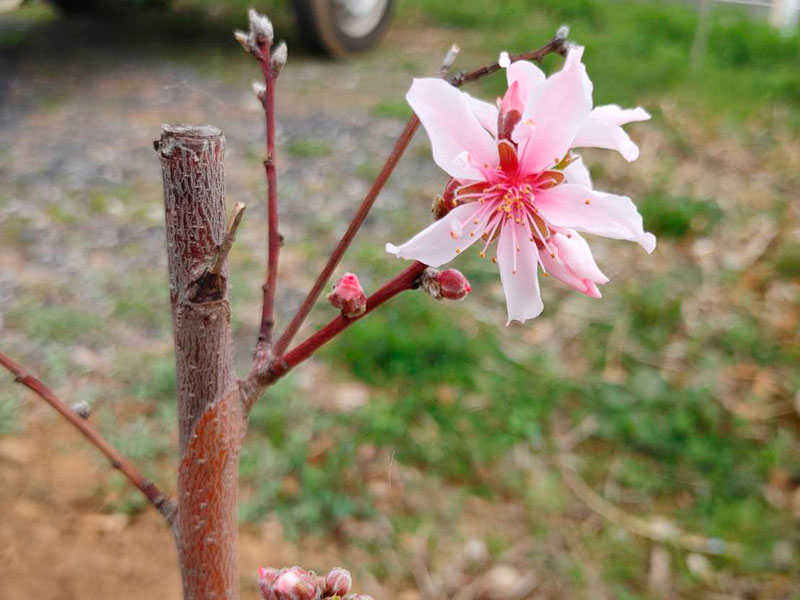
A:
(317, 24)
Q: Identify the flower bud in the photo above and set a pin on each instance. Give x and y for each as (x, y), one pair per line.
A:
(338, 582)
(244, 40)
(445, 202)
(260, 27)
(259, 89)
(266, 580)
(278, 58)
(295, 584)
(348, 296)
(449, 284)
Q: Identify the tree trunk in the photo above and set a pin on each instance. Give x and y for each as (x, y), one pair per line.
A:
(210, 415)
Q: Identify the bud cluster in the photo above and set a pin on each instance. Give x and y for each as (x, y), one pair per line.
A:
(449, 284)
(258, 40)
(348, 296)
(295, 583)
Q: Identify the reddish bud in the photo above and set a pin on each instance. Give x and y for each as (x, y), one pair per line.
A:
(338, 582)
(348, 296)
(287, 584)
(444, 203)
(449, 284)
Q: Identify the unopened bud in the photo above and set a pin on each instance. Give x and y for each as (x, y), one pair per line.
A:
(348, 296)
(278, 59)
(83, 409)
(449, 284)
(295, 584)
(562, 33)
(260, 27)
(259, 89)
(445, 202)
(244, 40)
(338, 582)
(266, 581)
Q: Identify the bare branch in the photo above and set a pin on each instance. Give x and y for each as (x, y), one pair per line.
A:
(273, 236)
(156, 497)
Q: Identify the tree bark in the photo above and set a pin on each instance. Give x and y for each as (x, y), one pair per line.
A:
(210, 415)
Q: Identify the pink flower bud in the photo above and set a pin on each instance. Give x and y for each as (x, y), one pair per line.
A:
(444, 203)
(295, 584)
(338, 582)
(449, 284)
(348, 296)
(453, 284)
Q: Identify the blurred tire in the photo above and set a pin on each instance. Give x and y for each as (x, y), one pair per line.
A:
(340, 27)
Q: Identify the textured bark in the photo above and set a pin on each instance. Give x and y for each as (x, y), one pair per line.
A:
(209, 408)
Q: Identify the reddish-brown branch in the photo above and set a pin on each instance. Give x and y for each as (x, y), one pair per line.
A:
(405, 280)
(273, 236)
(556, 45)
(156, 497)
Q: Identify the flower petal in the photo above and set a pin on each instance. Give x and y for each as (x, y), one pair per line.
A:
(443, 240)
(589, 211)
(520, 285)
(573, 263)
(603, 129)
(527, 75)
(554, 115)
(485, 113)
(454, 130)
(578, 172)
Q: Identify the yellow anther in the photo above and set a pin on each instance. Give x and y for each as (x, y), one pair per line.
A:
(587, 201)
(458, 250)
(494, 259)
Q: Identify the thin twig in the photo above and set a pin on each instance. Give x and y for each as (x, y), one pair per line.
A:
(156, 497)
(227, 241)
(273, 236)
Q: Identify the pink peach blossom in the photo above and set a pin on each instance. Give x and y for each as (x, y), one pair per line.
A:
(516, 182)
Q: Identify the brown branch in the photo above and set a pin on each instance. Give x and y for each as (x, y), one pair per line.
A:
(156, 497)
(556, 45)
(406, 280)
(273, 236)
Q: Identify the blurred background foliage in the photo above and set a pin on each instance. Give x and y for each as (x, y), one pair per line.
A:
(679, 390)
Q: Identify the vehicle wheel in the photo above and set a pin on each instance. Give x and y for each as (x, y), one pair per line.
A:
(339, 27)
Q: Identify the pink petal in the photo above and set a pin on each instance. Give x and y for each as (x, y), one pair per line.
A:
(554, 115)
(573, 263)
(603, 129)
(577, 172)
(605, 214)
(454, 130)
(485, 113)
(444, 239)
(527, 75)
(521, 288)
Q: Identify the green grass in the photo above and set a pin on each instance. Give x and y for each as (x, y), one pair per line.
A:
(308, 148)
